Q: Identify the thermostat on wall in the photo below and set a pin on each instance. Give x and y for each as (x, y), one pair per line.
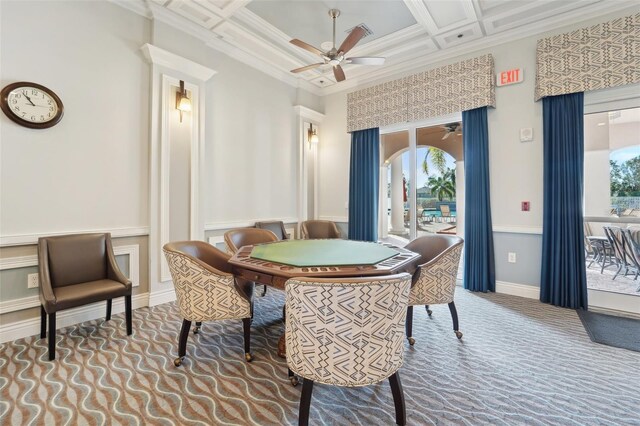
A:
(526, 135)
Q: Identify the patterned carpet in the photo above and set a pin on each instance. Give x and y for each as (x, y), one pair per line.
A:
(520, 362)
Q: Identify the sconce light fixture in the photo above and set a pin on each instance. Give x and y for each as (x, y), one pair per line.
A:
(312, 135)
(183, 103)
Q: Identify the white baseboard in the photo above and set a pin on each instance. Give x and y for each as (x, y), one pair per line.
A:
(20, 329)
(522, 290)
(162, 296)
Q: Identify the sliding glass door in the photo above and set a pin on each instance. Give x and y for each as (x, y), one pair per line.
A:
(422, 186)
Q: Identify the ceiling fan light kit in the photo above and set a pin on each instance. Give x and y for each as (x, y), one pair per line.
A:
(335, 56)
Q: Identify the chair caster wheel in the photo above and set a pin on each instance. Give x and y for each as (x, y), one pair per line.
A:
(196, 330)
(248, 357)
(458, 334)
(294, 381)
(429, 312)
(412, 341)
(178, 361)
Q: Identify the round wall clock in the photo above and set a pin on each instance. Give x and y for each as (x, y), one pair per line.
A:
(31, 105)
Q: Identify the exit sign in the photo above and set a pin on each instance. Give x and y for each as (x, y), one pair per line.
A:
(512, 76)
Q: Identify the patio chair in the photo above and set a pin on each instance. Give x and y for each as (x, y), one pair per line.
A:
(445, 212)
(617, 241)
(631, 240)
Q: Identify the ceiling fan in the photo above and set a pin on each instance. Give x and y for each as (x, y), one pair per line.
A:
(335, 57)
(450, 128)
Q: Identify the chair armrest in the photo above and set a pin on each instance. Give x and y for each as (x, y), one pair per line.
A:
(113, 271)
(47, 297)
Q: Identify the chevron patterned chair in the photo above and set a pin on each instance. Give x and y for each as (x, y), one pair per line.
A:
(346, 332)
(434, 282)
(206, 290)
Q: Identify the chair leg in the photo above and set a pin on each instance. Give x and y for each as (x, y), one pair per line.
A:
(398, 399)
(108, 309)
(52, 336)
(246, 326)
(409, 325)
(617, 272)
(127, 311)
(196, 329)
(429, 311)
(292, 378)
(264, 292)
(43, 322)
(305, 402)
(182, 342)
(454, 317)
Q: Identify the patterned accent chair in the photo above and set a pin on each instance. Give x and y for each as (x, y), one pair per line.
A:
(76, 270)
(434, 282)
(206, 290)
(346, 332)
(238, 238)
(319, 229)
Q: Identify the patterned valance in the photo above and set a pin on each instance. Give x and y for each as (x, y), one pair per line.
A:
(453, 88)
(592, 58)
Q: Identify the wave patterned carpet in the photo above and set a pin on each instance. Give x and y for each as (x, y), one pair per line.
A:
(520, 362)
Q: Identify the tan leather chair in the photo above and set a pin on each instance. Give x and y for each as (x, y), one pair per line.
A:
(276, 226)
(341, 346)
(434, 282)
(206, 290)
(319, 229)
(76, 270)
(237, 238)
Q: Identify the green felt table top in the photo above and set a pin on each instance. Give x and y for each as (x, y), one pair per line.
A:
(323, 252)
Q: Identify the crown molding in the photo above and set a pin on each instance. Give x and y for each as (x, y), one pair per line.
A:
(136, 6)
(308, 113)
(211, 40)
(418, 64)
(158, 56)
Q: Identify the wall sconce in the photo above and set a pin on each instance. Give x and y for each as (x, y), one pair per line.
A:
(183, 103)
(312, 135)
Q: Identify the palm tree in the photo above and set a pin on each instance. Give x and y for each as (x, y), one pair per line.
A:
(437, 159)
(441, 187)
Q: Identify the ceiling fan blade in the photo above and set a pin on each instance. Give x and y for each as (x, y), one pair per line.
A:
(446, 135)
(308, 67)
(306, 46)
(352, 39)
(366, 60)
(338, 73)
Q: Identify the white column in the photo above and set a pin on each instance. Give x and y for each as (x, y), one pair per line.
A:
(397, 196)
(460, 198)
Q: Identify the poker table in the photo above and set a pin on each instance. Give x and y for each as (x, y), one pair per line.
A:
(274, 263)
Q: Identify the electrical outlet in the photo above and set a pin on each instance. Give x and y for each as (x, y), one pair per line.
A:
(33, 281)
(512, 257)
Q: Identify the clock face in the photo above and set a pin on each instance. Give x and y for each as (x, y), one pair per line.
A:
(31, 105)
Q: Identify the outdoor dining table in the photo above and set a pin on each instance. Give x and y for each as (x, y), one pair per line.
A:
(274, 263)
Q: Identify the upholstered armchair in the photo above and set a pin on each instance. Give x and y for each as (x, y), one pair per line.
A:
(319, 229)
(237, 238)
(76, 270)
(358, 342)
(276, 226)
(434, 282)
(206, 290)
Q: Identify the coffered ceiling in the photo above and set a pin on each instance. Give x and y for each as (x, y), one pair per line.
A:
(408, 33)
